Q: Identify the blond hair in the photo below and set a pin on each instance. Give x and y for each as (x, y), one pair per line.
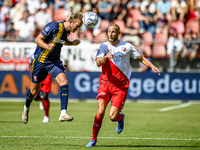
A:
(76, 16)
(115, 25)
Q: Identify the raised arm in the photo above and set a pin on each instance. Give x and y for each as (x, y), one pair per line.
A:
(102, 60)
(39, 40)
(147, 63)
(75, 42)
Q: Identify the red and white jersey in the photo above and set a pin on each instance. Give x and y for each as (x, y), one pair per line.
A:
(117, 71)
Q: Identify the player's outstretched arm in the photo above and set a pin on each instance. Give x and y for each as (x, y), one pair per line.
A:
(75, 42)
(147, 63)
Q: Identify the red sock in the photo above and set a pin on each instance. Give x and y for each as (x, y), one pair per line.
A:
(119, 118)
(46, 107)
(96, 127)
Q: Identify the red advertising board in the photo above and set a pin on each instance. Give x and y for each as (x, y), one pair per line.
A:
(15, 56)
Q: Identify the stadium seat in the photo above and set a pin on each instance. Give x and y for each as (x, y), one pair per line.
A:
(99, 38)
(146, 43)
(159, 51)
(145, 49)
(179, 27)
(146, 38)
(192, 25)
(59, 15)
(104, 24)
(160, 39)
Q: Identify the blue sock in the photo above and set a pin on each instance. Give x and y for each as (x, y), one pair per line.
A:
(29, 98)
(64, 96)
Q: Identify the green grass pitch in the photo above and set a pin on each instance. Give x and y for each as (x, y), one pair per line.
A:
(145, 127)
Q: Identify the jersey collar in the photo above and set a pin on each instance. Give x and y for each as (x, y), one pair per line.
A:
(116, 44)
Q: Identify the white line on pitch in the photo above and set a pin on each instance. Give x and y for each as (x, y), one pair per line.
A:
(175, 107)
(125, 138)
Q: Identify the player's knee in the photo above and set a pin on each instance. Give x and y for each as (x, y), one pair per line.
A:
(34, 91)
(112, 118)
(64, 82)
(100, 113)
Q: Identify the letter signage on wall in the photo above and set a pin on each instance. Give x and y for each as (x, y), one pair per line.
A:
(15, 56)
(84, 85)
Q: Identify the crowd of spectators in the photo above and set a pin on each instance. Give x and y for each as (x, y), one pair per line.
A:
(157, 28)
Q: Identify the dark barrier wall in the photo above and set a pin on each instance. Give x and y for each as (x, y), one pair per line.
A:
(83, 85)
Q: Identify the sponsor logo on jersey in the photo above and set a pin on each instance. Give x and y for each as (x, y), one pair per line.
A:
(59, 41)
(46, 29)
(124, 49)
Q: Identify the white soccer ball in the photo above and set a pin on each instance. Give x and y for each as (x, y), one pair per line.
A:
(90, 19)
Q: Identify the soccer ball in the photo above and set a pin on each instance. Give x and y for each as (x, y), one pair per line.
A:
(90, 19)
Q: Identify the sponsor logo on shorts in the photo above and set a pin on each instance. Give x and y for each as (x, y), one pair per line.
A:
(102, 93)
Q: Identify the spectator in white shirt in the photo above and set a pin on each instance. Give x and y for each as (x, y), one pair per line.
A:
(25, 30)
(42, 17)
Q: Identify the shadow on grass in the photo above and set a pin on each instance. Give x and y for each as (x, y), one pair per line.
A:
(145, 146)
(10, 121)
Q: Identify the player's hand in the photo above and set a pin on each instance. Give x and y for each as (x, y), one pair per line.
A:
(109, 55)
(76, 42)
(156, 70)
(50, 46)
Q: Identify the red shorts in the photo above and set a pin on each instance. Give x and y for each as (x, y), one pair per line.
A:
(46, 84)
(108, 92)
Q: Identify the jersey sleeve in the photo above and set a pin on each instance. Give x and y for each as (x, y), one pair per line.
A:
(48, 29)
(134, 53)
(101, 52)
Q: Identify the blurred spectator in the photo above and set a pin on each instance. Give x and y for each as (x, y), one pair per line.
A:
(10, 32)
(94, 4)
(42, 17)
(174, 45)
(190, 50)
(192, 10)
(60, 4)
(179, 9)
(148, 20)
(5, 10)
(75, 4)
(25, 28)
(16, 12)
(164, 17)
(119, 10)
(2, 24)
(133, 4)
(131, 33)
(33, 6)
(68, 12)
(2, 30)
(105, 9)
